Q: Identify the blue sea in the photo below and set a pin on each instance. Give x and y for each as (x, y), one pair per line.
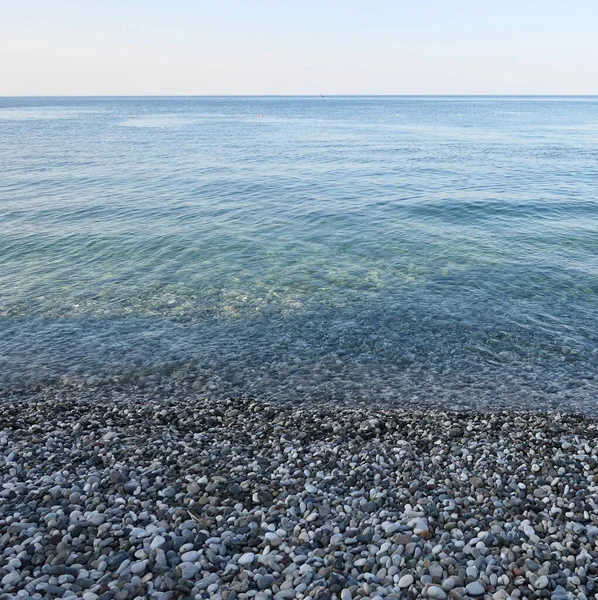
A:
(428, 251)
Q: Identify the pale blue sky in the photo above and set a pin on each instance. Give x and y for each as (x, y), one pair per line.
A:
(88, 47)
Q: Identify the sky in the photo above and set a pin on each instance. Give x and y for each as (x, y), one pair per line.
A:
(221, 47)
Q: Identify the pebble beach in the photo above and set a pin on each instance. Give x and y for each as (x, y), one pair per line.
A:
(119, 492)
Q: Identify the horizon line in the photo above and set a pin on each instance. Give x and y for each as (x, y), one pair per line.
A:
(299, 95)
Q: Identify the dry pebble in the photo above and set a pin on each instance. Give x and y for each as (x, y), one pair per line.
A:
(124, 494)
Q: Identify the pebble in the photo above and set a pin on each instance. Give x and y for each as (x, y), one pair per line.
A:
(128, 494)
(436, 592)
(247, 558)
(448, 584)
(436, 570)
(190, 556)
(264, 581)
(541, 582)
(157, 542)
(138, 567)
(475, 588)
(188, 570)
(11, 579)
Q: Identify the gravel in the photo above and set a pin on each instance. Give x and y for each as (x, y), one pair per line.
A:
(131, 494)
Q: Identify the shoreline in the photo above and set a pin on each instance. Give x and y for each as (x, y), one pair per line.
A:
(122, 494)
(169, 388)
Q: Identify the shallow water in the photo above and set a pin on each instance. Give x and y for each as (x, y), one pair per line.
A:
(433, 250)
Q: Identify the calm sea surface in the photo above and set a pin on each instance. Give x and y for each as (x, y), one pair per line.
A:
(434, 250)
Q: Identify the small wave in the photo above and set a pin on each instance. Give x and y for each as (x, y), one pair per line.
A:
(43, 114)
(158, 122)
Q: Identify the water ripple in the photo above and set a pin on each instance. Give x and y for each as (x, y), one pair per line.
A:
(438, 248)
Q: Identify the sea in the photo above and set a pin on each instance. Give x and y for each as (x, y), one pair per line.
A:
(438, 252)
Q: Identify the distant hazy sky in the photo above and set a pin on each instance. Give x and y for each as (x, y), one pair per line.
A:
(83, 47)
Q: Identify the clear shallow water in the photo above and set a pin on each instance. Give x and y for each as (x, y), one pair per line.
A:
(433, 250)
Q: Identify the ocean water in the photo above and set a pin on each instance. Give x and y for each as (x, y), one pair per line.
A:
(436, 251)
